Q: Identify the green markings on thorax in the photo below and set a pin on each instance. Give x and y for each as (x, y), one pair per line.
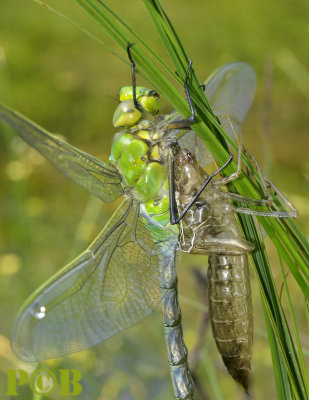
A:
(136, 154)
(140, 165)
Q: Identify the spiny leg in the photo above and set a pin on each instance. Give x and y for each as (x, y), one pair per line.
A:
(279, 194)
(261, 202)
(234, 175)
(266, 186)
(270, 213)
(275, 214)
(244, 199)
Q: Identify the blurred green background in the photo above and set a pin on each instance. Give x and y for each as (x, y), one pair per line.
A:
(67, 83)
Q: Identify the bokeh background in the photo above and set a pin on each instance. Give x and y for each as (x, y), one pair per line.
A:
(67, 83)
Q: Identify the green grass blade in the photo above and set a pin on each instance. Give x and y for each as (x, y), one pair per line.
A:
(281, 378)
(296, 334)
(168, 36)
(136, 36)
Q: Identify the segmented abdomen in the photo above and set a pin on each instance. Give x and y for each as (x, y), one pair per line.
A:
(177, 352)
(210, 228)
(230, 310)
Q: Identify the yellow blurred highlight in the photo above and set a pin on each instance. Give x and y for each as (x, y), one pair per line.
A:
(81, 356)
(53, 362)
(16, 170)
(9, 264)
(29, 368)
(5, 347)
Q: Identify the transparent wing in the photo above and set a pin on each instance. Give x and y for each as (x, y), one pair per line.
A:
(98, 178)
(230, 90)
(111, 286)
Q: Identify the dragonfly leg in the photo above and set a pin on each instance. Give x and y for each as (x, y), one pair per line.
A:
(270, 213)
(279, 194)
(268, 202)
(267, 185)
(171, 184)
(244, 199)
(133, 72)
(172, 193)
(234, 175)
(185, 123)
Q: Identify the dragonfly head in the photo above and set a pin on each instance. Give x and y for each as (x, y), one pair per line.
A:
(148, 99)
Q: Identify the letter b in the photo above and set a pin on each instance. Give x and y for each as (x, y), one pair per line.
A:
(66, 383)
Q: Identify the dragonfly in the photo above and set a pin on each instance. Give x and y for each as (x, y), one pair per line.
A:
(156, 163)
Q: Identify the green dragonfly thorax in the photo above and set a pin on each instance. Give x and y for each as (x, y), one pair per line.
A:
(138, 152)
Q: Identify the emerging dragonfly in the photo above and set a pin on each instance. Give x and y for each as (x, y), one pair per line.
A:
(131, 266)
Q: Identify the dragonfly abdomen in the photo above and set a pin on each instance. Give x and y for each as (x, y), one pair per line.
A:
(230, 310)
(177, 351)
(210, 228)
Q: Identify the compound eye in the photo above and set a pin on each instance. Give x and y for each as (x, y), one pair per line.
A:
(126, 114)
(151, 103)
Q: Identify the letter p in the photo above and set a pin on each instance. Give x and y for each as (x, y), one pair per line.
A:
(16, 377)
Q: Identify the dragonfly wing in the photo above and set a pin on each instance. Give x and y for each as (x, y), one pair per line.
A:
(92, 174)
(111, 286)
(189, 141)
(230, 90)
